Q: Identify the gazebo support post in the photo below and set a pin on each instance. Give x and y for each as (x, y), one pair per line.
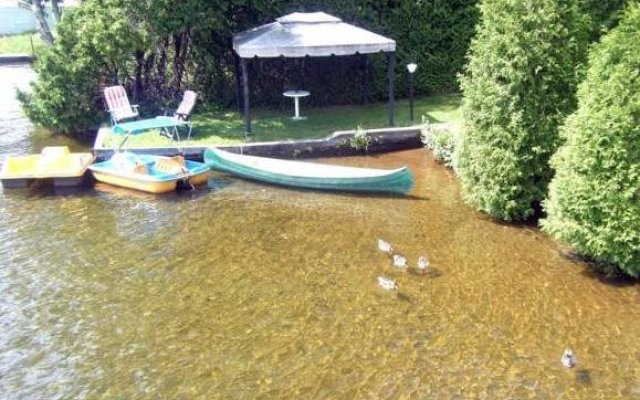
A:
(391, 61)
(245, 96)
(237, 73)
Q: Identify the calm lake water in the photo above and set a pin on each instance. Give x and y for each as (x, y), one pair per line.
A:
(245, 291)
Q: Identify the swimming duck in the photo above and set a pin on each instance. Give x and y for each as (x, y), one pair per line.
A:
(568, 359)
(384, 246)
(399, 262)
(423, 264)
(387, 283)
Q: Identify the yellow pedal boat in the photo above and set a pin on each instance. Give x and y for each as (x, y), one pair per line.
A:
(148, 173)
(56, 163)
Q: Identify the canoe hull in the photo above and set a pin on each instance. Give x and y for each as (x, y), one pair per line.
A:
(152, 181)
(319, 177)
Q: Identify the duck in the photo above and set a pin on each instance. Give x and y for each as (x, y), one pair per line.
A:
(399, 262)
(384, 246)
(387, 283)
(568, 359)
(423, 264)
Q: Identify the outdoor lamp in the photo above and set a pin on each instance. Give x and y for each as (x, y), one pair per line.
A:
(411, 67)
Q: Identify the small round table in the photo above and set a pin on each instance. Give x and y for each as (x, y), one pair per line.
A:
(296, 94)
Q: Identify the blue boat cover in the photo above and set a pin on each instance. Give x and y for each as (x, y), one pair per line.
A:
(143, 125)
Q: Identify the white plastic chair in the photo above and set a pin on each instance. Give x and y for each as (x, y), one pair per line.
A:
(118, 104)
(183, 112)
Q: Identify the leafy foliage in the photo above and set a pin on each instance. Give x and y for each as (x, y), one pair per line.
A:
(440, 140)
(93, 44)
(435, 35)
(601, 15)
(27, 43)
(360, 139)
(594, 198)
(518, 87)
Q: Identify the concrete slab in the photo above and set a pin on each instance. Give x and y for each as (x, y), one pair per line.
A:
(338, 144)
(16, 58)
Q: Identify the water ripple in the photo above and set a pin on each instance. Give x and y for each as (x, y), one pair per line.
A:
(249, 291)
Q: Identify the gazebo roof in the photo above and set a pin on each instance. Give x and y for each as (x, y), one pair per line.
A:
(309, 34)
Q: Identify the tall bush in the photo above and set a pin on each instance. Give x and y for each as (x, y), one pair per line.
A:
(594, 198)
(94, 44)
(517, 88)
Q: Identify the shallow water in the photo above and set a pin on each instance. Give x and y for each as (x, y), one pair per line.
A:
(240, 290)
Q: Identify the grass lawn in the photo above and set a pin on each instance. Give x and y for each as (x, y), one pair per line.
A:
(267, 125)
(20, 44)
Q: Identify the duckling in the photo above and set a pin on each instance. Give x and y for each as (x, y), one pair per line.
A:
(423, 264)
(568, 359)
(384, 246)
(399, 262)
(387, 283)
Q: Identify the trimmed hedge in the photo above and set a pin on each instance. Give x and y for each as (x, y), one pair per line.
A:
(601, 15)
(594, 199)
(517, 89)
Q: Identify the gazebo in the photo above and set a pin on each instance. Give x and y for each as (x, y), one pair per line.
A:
(314, 34)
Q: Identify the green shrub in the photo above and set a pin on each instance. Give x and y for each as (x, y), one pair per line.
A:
(440, 140)
(594, 198)
(517, 88)
(360, 139)
(94, 44)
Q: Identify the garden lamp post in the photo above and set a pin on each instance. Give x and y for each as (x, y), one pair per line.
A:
(411, 68)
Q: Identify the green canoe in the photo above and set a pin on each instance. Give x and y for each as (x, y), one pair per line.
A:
(310, 175)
